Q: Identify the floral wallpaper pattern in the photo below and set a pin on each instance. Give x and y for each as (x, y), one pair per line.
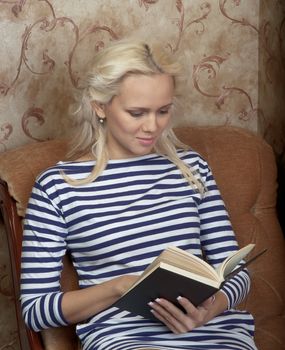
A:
(233, 52)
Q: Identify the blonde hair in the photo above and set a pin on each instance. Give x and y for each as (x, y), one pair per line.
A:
(111, 65)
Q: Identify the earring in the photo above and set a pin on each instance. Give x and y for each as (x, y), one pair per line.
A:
(101, 120)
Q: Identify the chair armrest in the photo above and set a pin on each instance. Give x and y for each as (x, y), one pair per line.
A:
(13, 231)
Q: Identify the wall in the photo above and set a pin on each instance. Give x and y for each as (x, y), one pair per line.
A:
(46, 45)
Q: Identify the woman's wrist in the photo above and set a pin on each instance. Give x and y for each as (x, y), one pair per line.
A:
(123, 283)
(220, 304)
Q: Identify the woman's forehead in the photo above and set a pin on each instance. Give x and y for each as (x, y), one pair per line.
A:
(147, 86)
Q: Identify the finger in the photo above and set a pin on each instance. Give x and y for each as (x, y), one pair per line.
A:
(163, 320)
(171, 309)
(194, 315)
(169, 314)
(190, 309)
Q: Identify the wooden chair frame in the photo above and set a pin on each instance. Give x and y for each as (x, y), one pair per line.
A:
(13, 227)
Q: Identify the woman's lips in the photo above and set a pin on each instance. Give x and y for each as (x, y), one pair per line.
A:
(146, 141)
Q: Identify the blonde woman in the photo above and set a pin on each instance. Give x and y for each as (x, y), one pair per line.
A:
(127, 190)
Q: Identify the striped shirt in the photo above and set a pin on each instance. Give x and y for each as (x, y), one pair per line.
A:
(117, 225)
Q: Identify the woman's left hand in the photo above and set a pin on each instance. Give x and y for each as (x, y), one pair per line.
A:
(182, 322)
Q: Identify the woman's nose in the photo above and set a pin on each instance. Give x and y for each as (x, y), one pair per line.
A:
(150, 123)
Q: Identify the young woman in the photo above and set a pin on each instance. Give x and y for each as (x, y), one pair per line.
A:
(129, 190)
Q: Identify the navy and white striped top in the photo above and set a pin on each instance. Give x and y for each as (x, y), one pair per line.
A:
(117, 225)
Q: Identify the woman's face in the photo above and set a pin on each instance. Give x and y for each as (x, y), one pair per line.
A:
(136, 117)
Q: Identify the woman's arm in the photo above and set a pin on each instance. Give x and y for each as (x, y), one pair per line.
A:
(81, 304)
(43, 303)
(217, 242)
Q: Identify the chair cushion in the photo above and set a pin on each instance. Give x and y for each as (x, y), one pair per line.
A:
(20, 166)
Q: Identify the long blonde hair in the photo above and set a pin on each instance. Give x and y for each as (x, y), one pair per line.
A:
(111, 65)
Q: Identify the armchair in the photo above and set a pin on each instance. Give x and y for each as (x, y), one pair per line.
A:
(244, 167)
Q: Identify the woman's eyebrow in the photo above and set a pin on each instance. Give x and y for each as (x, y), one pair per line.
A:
(168, 105)
(147, 109)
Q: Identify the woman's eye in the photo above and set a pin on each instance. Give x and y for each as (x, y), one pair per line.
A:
(135, 114)
(164, 111)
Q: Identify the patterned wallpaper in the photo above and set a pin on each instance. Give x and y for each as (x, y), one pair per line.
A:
(46, 46)
(233, 52)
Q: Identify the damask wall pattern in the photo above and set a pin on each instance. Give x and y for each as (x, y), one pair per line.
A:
(46, 46)
(233, 52)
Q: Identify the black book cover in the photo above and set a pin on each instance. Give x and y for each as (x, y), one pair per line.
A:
(165, 284)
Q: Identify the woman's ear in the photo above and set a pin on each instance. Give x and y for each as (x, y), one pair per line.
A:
(98, 108)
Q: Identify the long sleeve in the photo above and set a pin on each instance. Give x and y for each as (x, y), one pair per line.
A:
(217, 237)
(42, 251)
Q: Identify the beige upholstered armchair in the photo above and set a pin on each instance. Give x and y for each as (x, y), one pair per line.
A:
(244, 167)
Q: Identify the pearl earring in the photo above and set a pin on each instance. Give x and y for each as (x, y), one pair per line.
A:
(101, 120)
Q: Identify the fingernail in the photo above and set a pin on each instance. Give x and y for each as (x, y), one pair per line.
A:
(157, 300)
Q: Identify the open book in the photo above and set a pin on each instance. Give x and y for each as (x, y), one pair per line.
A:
(178, 273)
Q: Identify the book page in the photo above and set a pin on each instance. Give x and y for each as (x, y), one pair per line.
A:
(233, 260)
(184, 260)
(192, 263)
